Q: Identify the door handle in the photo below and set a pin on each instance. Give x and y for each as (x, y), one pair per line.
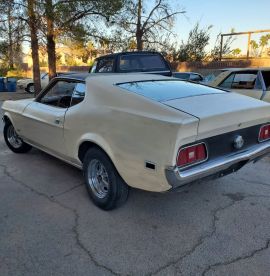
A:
(57, 121)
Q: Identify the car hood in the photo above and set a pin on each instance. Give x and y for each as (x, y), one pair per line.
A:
(219, 113)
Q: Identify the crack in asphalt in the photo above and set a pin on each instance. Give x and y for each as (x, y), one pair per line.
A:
(73, 211)
(200, 241)
(255, 182)
(67, 191)
(240, 258)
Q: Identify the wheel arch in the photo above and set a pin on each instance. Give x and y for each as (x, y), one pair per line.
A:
(90, 143)
(7, 118)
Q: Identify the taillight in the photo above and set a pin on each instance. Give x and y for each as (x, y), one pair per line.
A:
(191, 155)
(264, 133)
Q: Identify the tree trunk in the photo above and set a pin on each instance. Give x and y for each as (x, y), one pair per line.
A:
(34, 44)
(139, 32)
(10, 40)
(50, 39)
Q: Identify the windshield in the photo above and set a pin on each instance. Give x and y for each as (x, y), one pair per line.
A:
(165, 90)
(142, 63)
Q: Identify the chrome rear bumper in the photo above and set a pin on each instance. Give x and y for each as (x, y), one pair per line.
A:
(219, 166)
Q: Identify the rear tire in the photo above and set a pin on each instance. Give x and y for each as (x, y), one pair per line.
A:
(13, 140)
(30, 88)
(105, 186)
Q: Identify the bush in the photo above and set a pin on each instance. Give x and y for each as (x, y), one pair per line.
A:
(16, 73)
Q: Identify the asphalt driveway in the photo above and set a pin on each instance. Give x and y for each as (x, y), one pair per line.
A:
(48, 226)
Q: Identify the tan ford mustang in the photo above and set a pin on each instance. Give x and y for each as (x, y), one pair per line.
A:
(252, 82)
(145, 131)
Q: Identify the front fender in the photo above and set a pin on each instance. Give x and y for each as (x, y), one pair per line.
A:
(7, 117)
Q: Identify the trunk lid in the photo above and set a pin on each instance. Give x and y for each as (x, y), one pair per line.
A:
(224, 112)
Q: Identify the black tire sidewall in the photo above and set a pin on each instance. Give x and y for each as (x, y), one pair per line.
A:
(111, 199)
(22, 149)
(28, 88)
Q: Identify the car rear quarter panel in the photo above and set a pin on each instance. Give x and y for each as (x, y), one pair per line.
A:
(131, 130)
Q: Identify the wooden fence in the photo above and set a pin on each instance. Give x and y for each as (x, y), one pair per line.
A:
(195, 66)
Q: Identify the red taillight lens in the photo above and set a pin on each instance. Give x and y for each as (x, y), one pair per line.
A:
(264, 133)
(191, 155)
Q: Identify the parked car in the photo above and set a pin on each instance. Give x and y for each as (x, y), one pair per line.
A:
(191, 76)
(128, 62)
(145, 131)
(251, 82)
(28, 84)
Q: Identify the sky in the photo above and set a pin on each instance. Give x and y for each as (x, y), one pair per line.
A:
(242, 15)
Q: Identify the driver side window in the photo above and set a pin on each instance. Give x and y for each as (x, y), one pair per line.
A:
(60, 94)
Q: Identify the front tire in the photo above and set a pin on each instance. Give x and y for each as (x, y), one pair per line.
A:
(105, 186)
(30, 88)
(13, 140)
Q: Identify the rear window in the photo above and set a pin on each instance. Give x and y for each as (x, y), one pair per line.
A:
(165, 90)
(142, 63)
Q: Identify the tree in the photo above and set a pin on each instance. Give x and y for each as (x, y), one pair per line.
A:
(226, 46)
(264, 40)
(147, 25)
(254, 48)
(33, 26)
(236, 52)
(62, 18)
(11, 31)
(195, 47)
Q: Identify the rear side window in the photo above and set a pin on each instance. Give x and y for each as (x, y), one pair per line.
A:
(241, 80)
(105, 65)
(266, 77)
(165, 90)
(78, 93)
(142, 63)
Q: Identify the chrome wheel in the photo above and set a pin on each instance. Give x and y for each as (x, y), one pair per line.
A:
(98, 179)
(13, 138)
(31, 89)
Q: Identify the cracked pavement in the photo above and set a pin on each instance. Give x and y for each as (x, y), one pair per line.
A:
(48, 226)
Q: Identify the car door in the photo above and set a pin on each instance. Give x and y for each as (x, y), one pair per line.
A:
(44, 118)
(244, 82)
(75, 121)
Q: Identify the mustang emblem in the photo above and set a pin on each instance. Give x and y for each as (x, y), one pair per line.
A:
(238, 142)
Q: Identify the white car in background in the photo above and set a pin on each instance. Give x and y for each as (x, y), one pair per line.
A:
(28, 84)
